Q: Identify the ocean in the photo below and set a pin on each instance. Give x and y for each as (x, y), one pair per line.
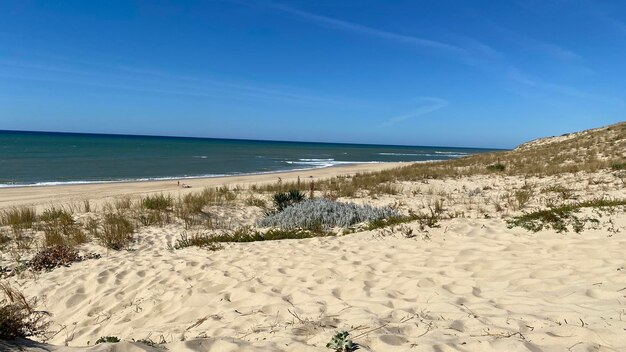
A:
(45, 158)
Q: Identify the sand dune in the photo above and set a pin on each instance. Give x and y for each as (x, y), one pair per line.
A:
(470, 285)
(474, 286)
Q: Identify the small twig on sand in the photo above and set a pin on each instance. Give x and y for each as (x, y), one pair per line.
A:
(295, 315)
(574, 345)
(197, 323)
(368, 331)
(502, 335)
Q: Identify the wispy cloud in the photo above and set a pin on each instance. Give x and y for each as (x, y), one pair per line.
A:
(614, 23)
(539, 46)
(426, 105)
(556, 51)
(468, 51)
(356, 28)
(154, 81)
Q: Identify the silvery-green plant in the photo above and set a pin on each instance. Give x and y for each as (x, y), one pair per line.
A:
(325, 214)
(341, 343)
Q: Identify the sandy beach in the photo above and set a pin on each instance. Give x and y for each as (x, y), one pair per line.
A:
(42, 196)
(312, 176)
(471, 281)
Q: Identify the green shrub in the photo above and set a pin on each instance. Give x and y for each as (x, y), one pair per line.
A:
(618, 166)
(159, 202)
(196, 240)
(283, 200)
(497, 167)
(559, 218)
(247, 234)
(107, 339)
(341, 343)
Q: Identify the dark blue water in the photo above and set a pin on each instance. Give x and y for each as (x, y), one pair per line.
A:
(28, 158)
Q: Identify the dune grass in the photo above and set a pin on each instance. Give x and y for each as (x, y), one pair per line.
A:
(116, 231)
(197, 240)
(60, 228)
(18, 218)
(160, 202)
(248, 234)
(562, 217)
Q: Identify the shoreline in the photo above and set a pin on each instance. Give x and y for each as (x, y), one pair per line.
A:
(44, 195)
(180, 178)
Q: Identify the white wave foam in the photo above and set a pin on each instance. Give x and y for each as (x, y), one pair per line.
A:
(452, 153)
(401, 154)
(437, 154)
(316, 160)
(318, 163)
(311, 166)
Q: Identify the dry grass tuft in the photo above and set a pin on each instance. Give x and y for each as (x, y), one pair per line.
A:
(116, 231)
(19, 218)
(197, 240)
(60, 229)
(18, 318)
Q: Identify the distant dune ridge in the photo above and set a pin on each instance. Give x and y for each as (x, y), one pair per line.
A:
(523, 250)
(599, 136)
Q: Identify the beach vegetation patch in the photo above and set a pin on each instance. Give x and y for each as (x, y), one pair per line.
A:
(60, 229)
(522, 197)
(116, 231)
(320, 213)
(618, 166)
(123, 203)
(497, 167)
(18, 318)
(341, 343)
(107, 339)
(53, 257)
(248, 234)
(283, 200)
(562, 191)
(256, 202)
(154, 217)
(425, 220)
(563, 217)
(197, 240)
(193, 203)
(18, 218)
(4, 238)
(160, 202)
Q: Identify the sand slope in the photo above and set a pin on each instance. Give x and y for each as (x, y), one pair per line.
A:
(474, 286)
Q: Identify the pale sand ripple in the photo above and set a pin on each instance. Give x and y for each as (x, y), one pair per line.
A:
(475, 286)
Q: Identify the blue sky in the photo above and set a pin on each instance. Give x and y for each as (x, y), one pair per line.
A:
(451, 73)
